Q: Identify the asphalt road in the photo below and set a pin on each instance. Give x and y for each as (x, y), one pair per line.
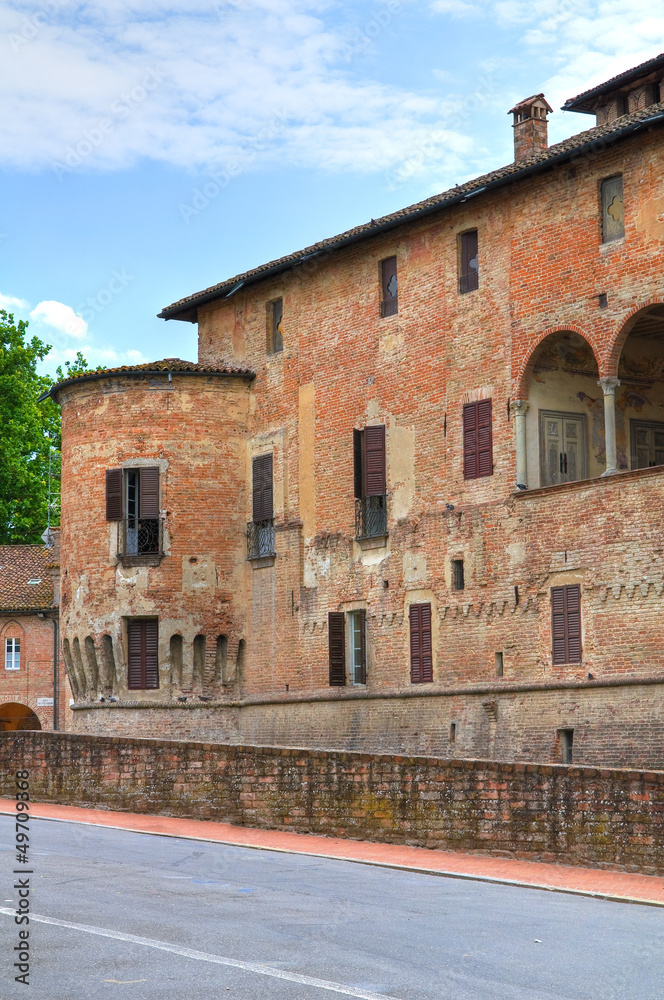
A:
(152, 918)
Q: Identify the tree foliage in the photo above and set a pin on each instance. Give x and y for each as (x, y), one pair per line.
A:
(29, 435)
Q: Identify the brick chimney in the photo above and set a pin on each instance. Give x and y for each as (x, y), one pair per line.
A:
(530, 127)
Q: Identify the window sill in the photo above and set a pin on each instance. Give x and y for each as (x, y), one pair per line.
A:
(258, 562)
(149, 559)
(372, 541)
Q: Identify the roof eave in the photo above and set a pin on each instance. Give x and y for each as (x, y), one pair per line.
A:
(97, 376)
(177, 312)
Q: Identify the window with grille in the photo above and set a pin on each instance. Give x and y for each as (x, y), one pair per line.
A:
(369, 469)
(132, 499)
(260, 530)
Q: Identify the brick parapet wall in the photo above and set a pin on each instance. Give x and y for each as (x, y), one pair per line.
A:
(575, 815)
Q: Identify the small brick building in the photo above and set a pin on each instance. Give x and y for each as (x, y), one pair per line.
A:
(410, 497)
(32, 687)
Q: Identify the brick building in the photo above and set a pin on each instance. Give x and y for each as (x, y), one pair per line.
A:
(32, 688)
(410, 496)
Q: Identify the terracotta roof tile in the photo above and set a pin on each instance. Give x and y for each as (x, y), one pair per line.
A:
(185, 308)
(173, 365)
(19, 564)
(649, 66)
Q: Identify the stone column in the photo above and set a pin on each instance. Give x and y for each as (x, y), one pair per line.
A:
(519, 408)
(608, 385)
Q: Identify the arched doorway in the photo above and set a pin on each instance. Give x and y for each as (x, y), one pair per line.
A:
(565, 416)
(640, 396)
(15, 716)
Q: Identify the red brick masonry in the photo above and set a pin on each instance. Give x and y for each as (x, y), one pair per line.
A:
(618, 886)
(606, 818)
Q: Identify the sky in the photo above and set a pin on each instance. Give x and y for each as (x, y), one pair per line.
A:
(151, 148)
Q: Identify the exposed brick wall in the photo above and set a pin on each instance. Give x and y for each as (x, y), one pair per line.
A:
(542, 269)
(574, 815)
(613, 726)
(34, 679)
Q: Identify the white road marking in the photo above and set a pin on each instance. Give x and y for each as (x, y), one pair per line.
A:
(202, 956)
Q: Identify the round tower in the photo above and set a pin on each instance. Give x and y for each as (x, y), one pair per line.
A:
(153, 542)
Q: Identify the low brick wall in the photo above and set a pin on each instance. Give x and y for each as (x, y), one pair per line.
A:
(573, 815)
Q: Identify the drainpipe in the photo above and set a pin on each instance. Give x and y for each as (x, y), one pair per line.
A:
(56, 668)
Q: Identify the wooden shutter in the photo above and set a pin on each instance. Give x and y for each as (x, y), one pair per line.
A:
(389, 290)
(336, 638)
(363, 646)
(149, 492)
(262, 488)
(374, 461)
(358, 474)
(114, 494)
(421, 658)
(477, 439)
(613, 209)
(566, 624)
(143, 658)
(469, 275)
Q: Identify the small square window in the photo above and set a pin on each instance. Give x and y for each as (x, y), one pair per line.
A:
(458, 582)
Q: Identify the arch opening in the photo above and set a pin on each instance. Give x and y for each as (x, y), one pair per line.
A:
(14, 716)
(565, 416)
(640, 395)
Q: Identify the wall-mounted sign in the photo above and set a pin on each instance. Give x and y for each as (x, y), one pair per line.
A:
(44, 702)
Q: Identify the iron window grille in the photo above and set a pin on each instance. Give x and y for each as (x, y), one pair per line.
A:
(140, 536)
(260, 539)
(371, 516)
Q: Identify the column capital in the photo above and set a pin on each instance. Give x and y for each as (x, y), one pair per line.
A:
(519, 407)
(608, 384)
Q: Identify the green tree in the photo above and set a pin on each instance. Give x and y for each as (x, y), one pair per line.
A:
(29, 435)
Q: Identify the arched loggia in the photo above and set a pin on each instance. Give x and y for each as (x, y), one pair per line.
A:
(560, 420)
(639, 403)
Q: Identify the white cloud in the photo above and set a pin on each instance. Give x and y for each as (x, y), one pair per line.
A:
(199, 84)
(10, 302)
(61, 318)
(457, 8)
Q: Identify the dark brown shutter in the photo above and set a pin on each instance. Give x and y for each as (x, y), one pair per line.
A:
(468, 279)
(336, 636)
(363, 646)
(477, 439)
(484, 439)
(262, 488)
(114, 494)
(470, 441)
(374, 461)
(566, 624)
(358, 477)
(143, 658)
(389, 291)
(421, 657)
(149, 492)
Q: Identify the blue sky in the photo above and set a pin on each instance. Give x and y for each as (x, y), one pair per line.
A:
(312, 115)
